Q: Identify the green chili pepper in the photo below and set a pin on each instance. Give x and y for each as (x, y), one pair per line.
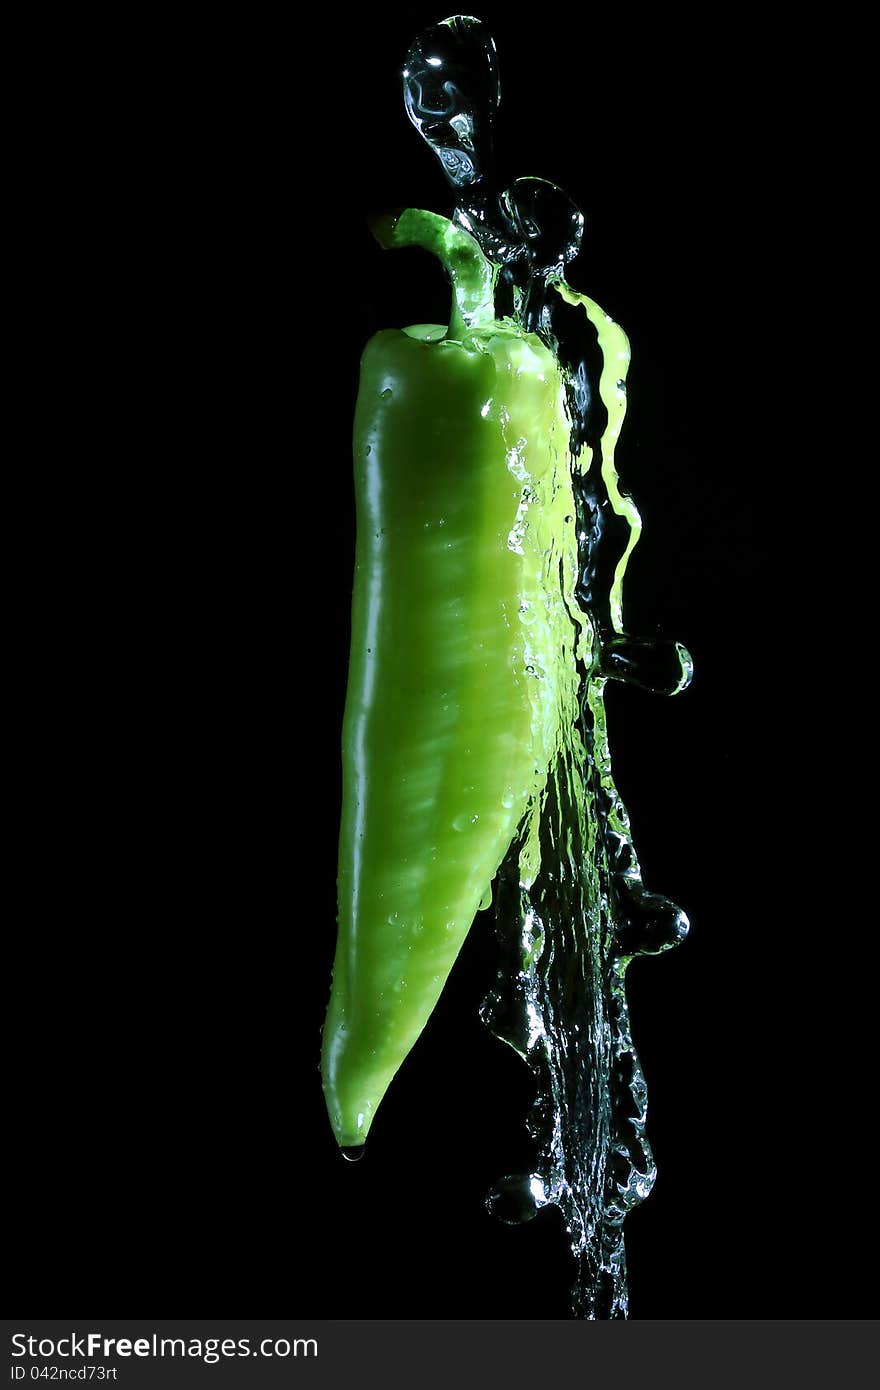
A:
(465, 515)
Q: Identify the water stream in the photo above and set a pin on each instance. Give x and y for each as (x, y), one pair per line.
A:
(571, 908)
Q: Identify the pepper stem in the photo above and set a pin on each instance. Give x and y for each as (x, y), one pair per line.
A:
(472, 276)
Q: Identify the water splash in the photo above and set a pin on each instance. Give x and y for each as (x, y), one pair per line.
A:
(571, 908)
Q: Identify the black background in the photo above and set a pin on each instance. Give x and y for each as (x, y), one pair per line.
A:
(170, 1144)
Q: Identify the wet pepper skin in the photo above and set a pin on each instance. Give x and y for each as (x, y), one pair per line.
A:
(461, 475)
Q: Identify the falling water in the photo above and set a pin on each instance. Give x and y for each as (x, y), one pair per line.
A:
(571, 908)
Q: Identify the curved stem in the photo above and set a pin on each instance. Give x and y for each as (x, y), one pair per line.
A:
(472, 276)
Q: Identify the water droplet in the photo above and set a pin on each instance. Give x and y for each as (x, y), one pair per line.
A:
(514, 1200)
(648, 923)
(387, 394)
(353, 1152)
(661, 667)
